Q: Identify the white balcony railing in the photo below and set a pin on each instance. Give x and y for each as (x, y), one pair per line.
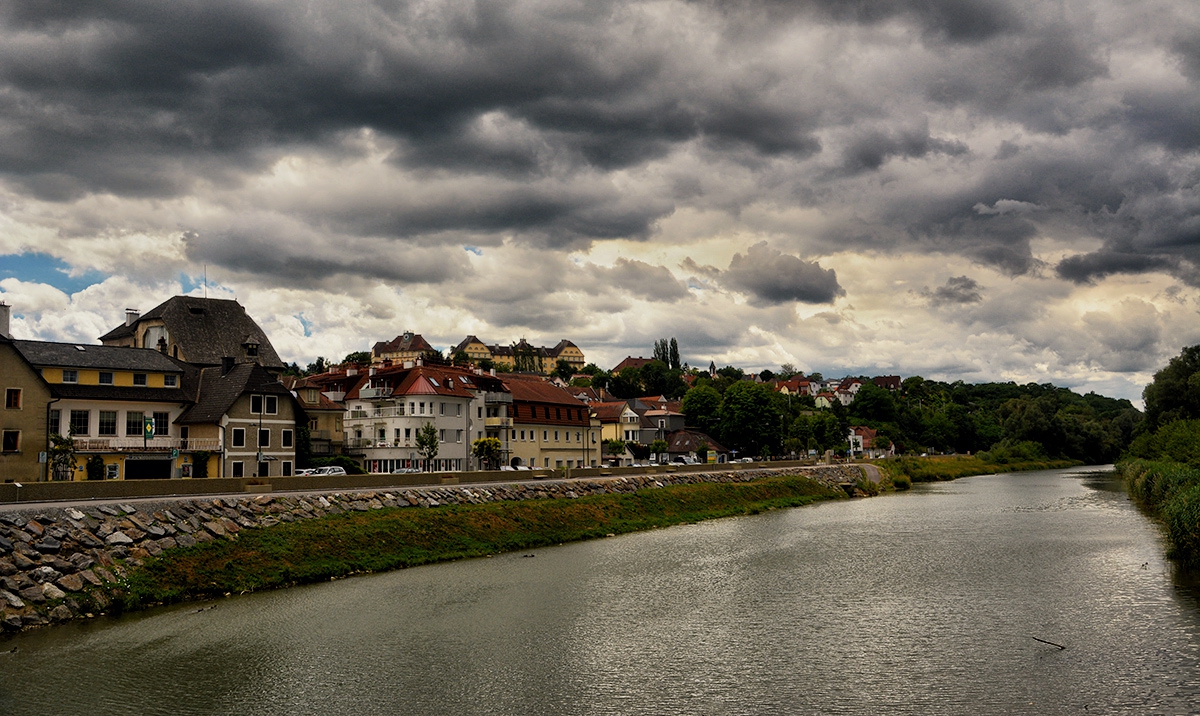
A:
(159, 444)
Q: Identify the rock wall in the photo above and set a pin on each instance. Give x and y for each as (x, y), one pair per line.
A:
(63, 563)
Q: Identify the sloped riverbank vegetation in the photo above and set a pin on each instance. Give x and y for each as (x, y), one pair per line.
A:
(356, 542)
(904, 470)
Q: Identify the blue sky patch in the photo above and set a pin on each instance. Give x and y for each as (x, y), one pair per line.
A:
(40, 268)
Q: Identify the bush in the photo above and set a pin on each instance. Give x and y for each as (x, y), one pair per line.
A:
(95, 468)
(1009, 451)
(901, 482)
(1172, 491)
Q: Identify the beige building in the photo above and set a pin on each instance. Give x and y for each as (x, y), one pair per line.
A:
(523, 356)
(23, 420)
(550, 427)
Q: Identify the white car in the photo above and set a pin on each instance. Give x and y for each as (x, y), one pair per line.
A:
(331, 470)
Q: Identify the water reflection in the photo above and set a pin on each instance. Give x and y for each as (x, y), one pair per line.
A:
(924, 602)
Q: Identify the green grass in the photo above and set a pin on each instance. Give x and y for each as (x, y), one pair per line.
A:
(951, 467)
(340, 545)
(1171, 491)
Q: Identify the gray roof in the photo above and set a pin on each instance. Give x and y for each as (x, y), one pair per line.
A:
(218, 392)
(80, 355)
(206, 330)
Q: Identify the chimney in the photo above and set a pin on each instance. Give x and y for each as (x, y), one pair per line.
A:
(162, 345)
(4, 320)
(408, 364)
(226, 365)
(131, 316)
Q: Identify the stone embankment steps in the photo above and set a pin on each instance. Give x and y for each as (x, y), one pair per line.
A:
(58, 564)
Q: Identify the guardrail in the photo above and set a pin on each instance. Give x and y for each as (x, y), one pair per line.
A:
(130, 444)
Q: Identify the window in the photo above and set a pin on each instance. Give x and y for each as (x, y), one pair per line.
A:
(545, 436)
(441, 408)
(55, 420)
(170, 381)
(287, 468)
(555, 436)
(264, 469)
(135, 422)
(239, 440)
(287, 439)
(11, 441)
(264, 437)
(578, 437)
(522, 434)
(256, 404)
(70, 376)
(79, 422)
(397, 434)
(312, 423)
(106, 377)
(407, 434)
(139, 378)
(547, 460)
(458, 410)
(382, 434)
(481, 412)
(238, 470)
(412, 408)
(441, 436)
(272, 405)
(162, 424)
(251, 349)
(12, 398)
(458, 436)
(547, 412)
(514, 435)
(422, 405)
(558, 414)
(107, 425)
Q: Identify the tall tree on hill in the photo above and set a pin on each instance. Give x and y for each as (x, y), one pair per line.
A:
(1174, 393)
(627, 383)
(360, 357)
(749, 418)
(674, 355)
(700, 405)
(662, 351)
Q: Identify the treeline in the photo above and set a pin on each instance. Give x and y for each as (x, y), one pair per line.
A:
(1162, 465)
(1010, 421)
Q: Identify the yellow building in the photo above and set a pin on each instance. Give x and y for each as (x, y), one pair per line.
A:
(522, 357)
(23, 420)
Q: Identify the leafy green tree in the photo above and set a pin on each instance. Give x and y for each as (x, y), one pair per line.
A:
(700, 406)
(591, 369)
(303, 446)
(61, 457)
(873, 403)
(749, 418)
(658, 379)
(358, 357)
(526, 358)
(627, 383)
(658, 447)
(200, 464)
(427, 442)
(320, 365)
(488, 451)
(662, 351)
(461, 358)
(702, 452)
(615, 447)
(673, 355)
(787, 371)
(95, 468)
(1174, 394)
(766, 375)
(564, 370)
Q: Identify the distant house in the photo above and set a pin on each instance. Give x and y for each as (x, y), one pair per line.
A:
(631, 362)
(407, 346)
(326, 434)
(525, 355)
(888, 382)
(863, 443)
(686, 443)
(825, 400)
(550, 428)
(200, 331)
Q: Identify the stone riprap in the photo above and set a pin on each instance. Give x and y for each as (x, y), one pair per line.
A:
(65, 563)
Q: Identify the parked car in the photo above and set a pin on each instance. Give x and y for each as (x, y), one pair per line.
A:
(330, 470)
(305, 471)
(405, 471)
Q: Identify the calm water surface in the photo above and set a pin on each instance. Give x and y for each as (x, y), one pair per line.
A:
(916, 603)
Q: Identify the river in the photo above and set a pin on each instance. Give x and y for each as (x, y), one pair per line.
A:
(913, 603)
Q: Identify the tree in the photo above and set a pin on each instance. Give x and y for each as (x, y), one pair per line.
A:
(673, 354)
(626, 384)
(749, 417)
(95, 468)
(303, 446)
(200, 463)
(816, 376)
(61, 457)
(487, 450)
(427, 442)
(658, 379)
(658, 447)
(526, 358)
(766, 375)
(1174, 394)
(702, 452)
(615, 447)
(786, 371)
(700, 405)
(563, 369)
(320, 365)
(357, 357)
(461, 358)
(873, 403)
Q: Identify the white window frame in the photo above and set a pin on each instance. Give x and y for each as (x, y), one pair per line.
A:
(234, 440)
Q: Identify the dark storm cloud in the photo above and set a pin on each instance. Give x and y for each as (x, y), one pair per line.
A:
(640, 279)
(957, 290)
(956, 20)
(769, 276)
(1085, 268)
(871, 150)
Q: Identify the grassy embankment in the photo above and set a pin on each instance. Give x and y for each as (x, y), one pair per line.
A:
(1171, 491)
(339, 545)
(904, 471)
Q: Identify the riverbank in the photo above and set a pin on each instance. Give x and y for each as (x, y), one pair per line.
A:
(1171, 492)
(67, 563)
(906, 470)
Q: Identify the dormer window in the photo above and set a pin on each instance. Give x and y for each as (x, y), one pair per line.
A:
(106, 377)
(70, 376)
(139, 379)
(251, 349)
(170, 381)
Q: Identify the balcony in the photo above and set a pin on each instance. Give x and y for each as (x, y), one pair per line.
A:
(497, 422)
(363, 443)
(497, 397)
(374, 393)
(131, 444)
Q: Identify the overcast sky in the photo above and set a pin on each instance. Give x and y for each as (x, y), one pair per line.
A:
(961, 189)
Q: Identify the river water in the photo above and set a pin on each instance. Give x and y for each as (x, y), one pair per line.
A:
(915, 603)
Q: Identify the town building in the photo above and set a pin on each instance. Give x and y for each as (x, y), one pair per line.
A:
(326, 434)
(407, 346)
(550, 428)
(200, 331)
(27, 396)
(521, 357)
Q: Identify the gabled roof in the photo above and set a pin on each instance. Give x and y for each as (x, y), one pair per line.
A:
(631, 362)
(560, 347)
(535, 390)
(402, 342)
(686, 441)
(611, 411)
(218, 392)
(78, 355)
(887, 382)
(466, 342)
(206, 330)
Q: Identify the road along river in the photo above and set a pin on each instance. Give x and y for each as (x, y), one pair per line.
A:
(922, 602)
